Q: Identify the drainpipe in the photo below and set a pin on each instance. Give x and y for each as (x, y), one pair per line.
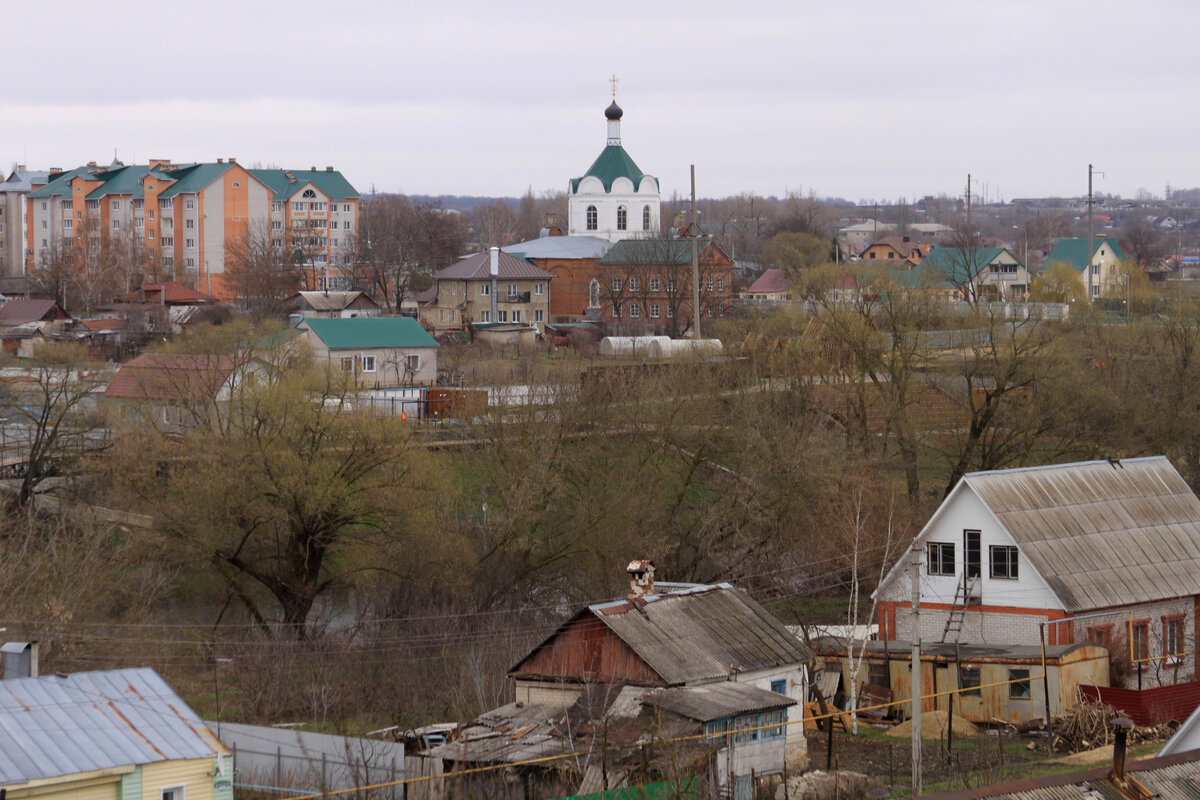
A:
(495, 270)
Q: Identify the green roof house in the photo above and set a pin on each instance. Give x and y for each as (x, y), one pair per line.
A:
(379, 352)
(614, 199)
(1101, 272)
(974, 273)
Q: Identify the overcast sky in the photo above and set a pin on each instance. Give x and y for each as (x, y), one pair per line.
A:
(863, 100)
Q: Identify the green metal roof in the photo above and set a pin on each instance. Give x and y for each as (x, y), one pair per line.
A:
(612, 163)
(1075, 251)
(332, 184)
(957, 265)
(652, 251)
(60, 185)
(191, 178)
(122, 180)
(370, 333)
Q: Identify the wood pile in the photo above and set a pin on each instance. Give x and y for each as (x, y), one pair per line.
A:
(1090, 725)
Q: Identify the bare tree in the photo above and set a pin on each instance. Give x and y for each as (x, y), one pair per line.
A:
(261, 269)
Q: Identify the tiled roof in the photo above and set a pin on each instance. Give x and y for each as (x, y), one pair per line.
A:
(57, 725)
(772, 281)
(286, 182)
(478, 268)
(1075, 251)
(612, 163)
(172, 377)
(370, 333)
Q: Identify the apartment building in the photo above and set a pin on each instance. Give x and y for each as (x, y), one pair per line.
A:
(13, 191)
(178, 221)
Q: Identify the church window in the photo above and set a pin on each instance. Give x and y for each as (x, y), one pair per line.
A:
(592, 220)
(594, 294)
(622, 218)
(645, 218)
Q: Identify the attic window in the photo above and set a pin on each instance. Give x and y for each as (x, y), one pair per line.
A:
(309, 193)
(237, 185)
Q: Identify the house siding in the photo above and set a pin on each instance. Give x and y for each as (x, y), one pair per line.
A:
(193, 774)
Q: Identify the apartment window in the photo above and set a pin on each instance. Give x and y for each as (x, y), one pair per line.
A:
(43, 205)
(152, 213)
(346, 208)
(368, 363)
(709, 284)
(617, 310)
(1004, 561)
(189, 262)
(968, 681)
(670, 312)
(635, 310)
(654, 284)
(190, 204)
(298, 208)
(67, 205)
(485, 316)
(309, 193)
(512, 290)
(635, 285)
(1095, 269)
(941, 558)
(622, 218)
(150, 233)
(189, 243)
(1095, 291)
(68, 224)
(333, 224)
(116, 205)
(164, 203)
(93, 205)
(167, 241)
(277, 225)
(539, 288)
(43, 224)
(616, 284)
(592, 218)
(501, 316)
(538, 316)
(516, 316)
(720, 284)
(485, 289)
(277, 243)
(1019, 687)
(346, 225)
(138, 223)
(277, 207)
(168, 261)
(654, 310)
(645, 218)
(1173, 644)
(189, 224)
(670, 284)
(316, 207)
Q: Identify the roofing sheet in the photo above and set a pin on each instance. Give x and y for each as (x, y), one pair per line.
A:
(716, 700)
(284, 182)
(478, 268)
(1075, 251)
(60, 725)
(191, 178)
(335, 301)
(702, 634)
(612, 163)
(565, 247)
(20, 312)
(1102, 534)
(772, 280)
(652, 251)
(174, 377)
(365, 333)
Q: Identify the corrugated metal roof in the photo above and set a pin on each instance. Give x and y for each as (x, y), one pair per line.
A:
(60, 725)
(515, 732)
(365, 333)
(702, 634)
(1101, 534)
(716, 700)
(565, 247)
(334, 301)
(478, 268)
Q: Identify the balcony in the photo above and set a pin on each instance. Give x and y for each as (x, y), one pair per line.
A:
(519, 297)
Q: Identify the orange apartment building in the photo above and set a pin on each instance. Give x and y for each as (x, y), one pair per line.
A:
(177, 220)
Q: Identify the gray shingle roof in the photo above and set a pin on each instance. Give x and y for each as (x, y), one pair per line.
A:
(1101, 534)
(60, 725)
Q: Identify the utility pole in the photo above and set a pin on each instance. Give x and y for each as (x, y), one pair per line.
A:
(1091, 235)
(915, 572)
(695, 264)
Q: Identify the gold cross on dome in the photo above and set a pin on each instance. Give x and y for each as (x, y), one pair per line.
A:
(613, 80)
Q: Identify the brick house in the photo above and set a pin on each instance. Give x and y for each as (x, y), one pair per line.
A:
(1099, 551)
(490, 287)
(572, 261)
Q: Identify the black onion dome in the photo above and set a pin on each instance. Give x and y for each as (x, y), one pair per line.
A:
(613, 112)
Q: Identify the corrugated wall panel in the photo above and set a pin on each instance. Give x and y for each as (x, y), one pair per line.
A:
(193, 774)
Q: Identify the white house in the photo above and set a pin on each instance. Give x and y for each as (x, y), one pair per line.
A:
(1101, 551)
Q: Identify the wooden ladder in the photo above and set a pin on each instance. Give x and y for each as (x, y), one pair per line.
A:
(963, 596)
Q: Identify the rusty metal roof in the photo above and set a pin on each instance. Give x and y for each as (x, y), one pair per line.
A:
(1175, 777)
(1101, 533)
(702, 634)
(716, 700)
(512, 733)
(60, 725)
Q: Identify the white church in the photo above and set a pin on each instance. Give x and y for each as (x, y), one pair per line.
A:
(614, 200)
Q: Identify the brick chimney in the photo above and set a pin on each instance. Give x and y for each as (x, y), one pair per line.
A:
(641, 578)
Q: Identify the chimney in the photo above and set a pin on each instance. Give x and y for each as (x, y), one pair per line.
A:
(641, 578)
(232, 160)
(494, 269)
(329, 169)
(20, 659)
(494, 262)
(312, 169)
(220, 161)
(1120, 740)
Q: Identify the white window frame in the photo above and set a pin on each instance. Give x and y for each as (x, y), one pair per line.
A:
(178, 792)
(368, 363)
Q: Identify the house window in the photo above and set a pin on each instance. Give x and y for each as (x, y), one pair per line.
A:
(485, 316)
(635, 310)
(654, 310)
(971, 554)
(617, 310)
(189, 223)
(645, 218)
(539, 288)
(779, 687)
(1141, 642)
(512, 290)
(622, 218)
(501, 316)
(368, 363)
(941, 558)
(1101, 634)
(968, 681)
(412, 363)
(670, 284)
(709, 284)
(1003, 561)
(1019, 687)
(616, 284)
(485, 289)
(173, 793)
(592, 219)
(635, 285)
(717, 731)
(670, 312)
(347, 365)
(538, 316)
(1173, 644)
(654, 284)
(190, 204)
